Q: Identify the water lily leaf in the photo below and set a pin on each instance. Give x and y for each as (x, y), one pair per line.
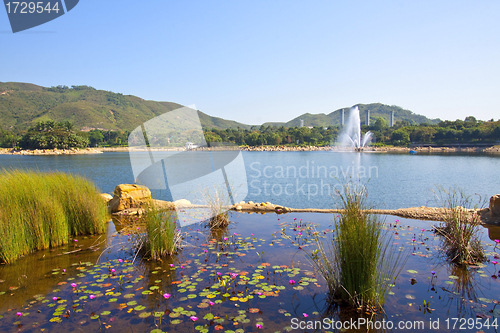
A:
(412, 271)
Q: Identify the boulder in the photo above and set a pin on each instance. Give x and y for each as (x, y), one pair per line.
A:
(106, 197)
(129, 196)
(495, 205)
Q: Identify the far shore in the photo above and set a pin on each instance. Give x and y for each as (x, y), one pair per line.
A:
(395, 150)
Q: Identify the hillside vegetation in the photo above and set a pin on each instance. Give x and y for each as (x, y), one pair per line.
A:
(23, 105)
(377, 110)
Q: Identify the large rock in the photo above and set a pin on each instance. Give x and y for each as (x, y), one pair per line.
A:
(106, 197)
(129, 196)
(495, 205)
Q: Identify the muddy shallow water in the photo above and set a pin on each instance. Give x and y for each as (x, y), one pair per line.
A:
(246, 278)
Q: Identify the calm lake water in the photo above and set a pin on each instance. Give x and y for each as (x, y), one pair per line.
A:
(255, 275)
(306, 179)
(273, 283)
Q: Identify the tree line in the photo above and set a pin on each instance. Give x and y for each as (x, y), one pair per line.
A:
(50, 134)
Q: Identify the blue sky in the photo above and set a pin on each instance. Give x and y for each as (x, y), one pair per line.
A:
(258, 61)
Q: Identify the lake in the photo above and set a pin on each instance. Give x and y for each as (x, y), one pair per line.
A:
(307, 179)
(255, 275)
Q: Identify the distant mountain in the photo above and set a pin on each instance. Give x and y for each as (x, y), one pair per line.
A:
(23, 104)
(376, 110)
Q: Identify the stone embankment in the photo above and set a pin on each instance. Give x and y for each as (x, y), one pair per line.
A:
(55, 151)
(131, 200)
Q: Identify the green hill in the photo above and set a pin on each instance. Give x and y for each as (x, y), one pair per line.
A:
(376, 110)
(23, 104)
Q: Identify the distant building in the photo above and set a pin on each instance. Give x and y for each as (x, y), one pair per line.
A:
(301, 122)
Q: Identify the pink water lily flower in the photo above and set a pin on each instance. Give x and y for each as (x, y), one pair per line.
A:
(259, 326)
(19, 314)
(73, 285)
(292, 281)
(166, 296)
(92, 296)
(193, 318)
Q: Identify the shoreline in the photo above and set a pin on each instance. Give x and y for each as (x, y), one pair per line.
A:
(418, 213)
(495, 150)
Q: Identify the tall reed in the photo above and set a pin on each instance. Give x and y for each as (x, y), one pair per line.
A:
(41, 210)
(460, 230)
(359, 263)
(162, 237)
(218, 202)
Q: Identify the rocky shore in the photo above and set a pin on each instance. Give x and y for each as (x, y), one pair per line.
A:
(130, 200)
(55, 151)
(394, 150)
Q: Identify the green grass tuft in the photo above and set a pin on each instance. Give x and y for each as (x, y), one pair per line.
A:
(162, 237)
(358, 264)
(460, 230)
(42, 210)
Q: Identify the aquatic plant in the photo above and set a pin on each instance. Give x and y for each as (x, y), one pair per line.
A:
(218, 202)
(42, 210)
(162, 236)
(358, 264)
(461, 226)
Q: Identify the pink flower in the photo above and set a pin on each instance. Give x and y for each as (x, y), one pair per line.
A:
(494, 262)
(76, 240)
(225, 238)
(300, 233)
(120, 260)
(305, 315)
(166, 296)
(171, 265)
(19, 314)
(193, 318)
(113, 270)
(219, 274)
(92, 296)
(54, 298)
(235, 234)
(64, 270)
(252, 234)
(211, 303)
(234, 275)
(292, 281)
(259, 326)
(73, 285)
(182, 267)
(206, 251)
(497, 240)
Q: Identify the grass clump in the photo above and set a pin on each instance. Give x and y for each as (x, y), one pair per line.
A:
(42, 210)
(359, 264)
(461, 227)
(218, 201)
(162, 236)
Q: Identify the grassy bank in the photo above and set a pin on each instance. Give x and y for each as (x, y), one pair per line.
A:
(41, 210)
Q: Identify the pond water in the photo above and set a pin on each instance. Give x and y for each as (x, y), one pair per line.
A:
(273, 289)
(307, 179)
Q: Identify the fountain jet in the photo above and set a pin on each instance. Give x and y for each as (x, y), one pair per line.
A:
(351, 135)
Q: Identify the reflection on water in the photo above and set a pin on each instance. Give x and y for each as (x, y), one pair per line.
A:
(234, 279)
